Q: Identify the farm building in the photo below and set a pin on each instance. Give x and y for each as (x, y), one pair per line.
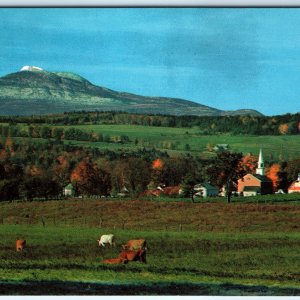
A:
(251, 191)
(69, 190)
(123, 192)
(295, 186)
(221, 147)
(206, 190)
(256, 184)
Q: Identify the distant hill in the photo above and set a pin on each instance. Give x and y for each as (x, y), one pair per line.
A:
(35, 91)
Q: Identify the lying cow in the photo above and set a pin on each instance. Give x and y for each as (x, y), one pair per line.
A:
(20, 244)
(107, 239)
(114, 261)
(135, 245)
(130, 255)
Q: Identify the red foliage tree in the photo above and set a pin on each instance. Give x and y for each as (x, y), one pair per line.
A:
(249, 163)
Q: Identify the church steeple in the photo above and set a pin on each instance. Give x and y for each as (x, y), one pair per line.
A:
(261, 166)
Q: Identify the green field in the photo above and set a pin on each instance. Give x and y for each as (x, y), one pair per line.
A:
(175, 140)
(194, 249)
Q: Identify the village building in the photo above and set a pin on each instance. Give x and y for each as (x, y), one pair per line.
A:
(256, 184)
(295, 186)
(221, 147)
(69, 190)
(206, 190)
(123, 192)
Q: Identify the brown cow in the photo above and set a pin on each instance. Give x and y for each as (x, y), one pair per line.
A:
(20, 244)
(113, 261)
(130, 255)
(135, 245)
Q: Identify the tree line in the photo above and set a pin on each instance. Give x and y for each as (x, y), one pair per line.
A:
(59, 133)
(31, 170)
(245, 124)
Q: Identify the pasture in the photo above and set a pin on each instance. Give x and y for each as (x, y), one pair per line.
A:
(184, 140)
(194, 249)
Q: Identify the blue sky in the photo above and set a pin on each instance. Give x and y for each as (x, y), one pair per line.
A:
(225, 58)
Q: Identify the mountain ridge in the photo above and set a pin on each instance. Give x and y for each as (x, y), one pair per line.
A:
(31, 92)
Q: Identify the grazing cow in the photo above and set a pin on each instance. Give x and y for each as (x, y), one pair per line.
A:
(20, 245)
(107, 239)
(135, 245)
(114, 261)
(130, 255)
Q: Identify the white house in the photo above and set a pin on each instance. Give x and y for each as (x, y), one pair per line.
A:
(206, 190)
(69, 190)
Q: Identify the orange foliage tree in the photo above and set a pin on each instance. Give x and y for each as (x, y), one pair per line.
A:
(157, 172)
(89, 179)
(157, 164)
(283, 128)
(273, 174)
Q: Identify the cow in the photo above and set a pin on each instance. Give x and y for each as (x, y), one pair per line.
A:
(135, 245)
(20, 244)
(114, 261)
(107, 239)
(131, 255)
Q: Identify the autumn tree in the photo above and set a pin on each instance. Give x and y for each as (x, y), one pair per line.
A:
(283, 128)
(225, 171)
(292, 169)
(133, 173)
(61, 169)
(273, 174)
(157, 172)
(249, 163)
(90, 179)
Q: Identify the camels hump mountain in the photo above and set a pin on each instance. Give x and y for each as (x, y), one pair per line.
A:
(33, 91)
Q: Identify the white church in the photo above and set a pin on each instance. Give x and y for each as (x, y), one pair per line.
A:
(256, 184)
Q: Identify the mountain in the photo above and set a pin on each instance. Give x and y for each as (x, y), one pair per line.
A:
(36, 91)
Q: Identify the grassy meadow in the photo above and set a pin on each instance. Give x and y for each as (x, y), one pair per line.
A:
(211, 248)
(175, 140)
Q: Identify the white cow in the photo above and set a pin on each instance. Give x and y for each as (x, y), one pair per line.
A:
(107, 239)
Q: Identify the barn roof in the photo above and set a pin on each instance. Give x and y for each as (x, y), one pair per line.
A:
(206, 185)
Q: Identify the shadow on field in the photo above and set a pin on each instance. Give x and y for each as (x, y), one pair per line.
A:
(78, 288)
